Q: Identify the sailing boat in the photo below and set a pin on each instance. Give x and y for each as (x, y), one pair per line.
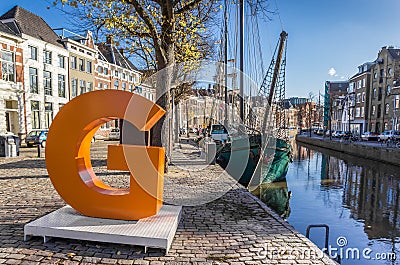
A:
(269, 152)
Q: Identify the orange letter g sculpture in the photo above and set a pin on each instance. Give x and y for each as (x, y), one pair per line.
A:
(69, 165)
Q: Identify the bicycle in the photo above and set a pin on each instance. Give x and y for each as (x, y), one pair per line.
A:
(393, 142)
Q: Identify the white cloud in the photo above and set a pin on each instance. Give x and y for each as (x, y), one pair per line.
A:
(332, 71)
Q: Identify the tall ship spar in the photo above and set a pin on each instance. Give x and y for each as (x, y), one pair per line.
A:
(266, 146)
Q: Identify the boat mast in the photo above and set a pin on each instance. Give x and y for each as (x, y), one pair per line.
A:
(226, 62)
(241, 65)
(275, 77)
(283, 37)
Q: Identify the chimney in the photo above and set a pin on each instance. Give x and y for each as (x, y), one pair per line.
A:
(110, 39)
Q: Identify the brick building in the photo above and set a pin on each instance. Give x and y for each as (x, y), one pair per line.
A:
(45, 72)
(384, 74)
(11, 82)
(359, 92)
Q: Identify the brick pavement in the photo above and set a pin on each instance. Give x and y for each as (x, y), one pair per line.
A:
(233, 229)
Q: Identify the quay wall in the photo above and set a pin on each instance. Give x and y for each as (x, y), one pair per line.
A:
(377, 153)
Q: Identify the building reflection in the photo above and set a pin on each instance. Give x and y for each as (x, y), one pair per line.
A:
(371, 190)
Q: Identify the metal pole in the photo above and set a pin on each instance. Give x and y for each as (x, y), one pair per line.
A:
(226, 62)
(241, 65)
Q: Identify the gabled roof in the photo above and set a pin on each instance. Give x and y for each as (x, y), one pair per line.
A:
(114, 56)
(30, 24)
(4, 28)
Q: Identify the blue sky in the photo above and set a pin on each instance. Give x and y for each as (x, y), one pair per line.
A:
(324, 36)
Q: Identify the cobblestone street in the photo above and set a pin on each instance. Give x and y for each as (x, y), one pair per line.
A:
(232, 229)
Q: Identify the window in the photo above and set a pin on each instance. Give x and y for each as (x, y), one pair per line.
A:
(35, 114)
(116, 84)
(116, 73)
(362, 111)
(363, 97)
(388, 89)
(48, 114)
(382, 72)
(357, 112)
(61, 86)
(100, 85)
(123, 86)
(99, 69)
(387, 108)
(380, 94)
(123, 76)
(363, 82)
(32, 53)
(359, 84)
(61, 61)
(373, 110)
(390, 71)
(74, 87)
(130, 87)
(73, 62)
(397, 101)
(60, 105)
(7, 66)
(47, 56)
(82, 86)
(358, 97)
(89, 67)
(105, 86)
(33, 80)
(130, 78)
(47, 83)
(106, 71)
(375, 75)
(89, 86)
(81, 64)
(378, 112)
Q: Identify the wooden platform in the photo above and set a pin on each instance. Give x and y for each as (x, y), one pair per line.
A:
(156, 231)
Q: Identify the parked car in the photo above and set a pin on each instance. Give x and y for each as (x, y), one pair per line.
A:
(219, 133)
(369, 136)
(114, 134)
(36, 137)
(389, 134)
(320, 132)
(336, 134)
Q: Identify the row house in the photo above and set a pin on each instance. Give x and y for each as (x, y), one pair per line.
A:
(82, 59)
(359, 93)
(372, 100)
(45, 72)
(336, 108)
(384, 74)
(42, 70)
(11, 81)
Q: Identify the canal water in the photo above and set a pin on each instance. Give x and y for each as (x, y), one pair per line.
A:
(358, 199)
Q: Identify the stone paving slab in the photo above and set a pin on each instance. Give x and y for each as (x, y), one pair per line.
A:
(235, 228)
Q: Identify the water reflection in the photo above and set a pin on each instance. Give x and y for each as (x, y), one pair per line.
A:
(357, 198)
(277, 196)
